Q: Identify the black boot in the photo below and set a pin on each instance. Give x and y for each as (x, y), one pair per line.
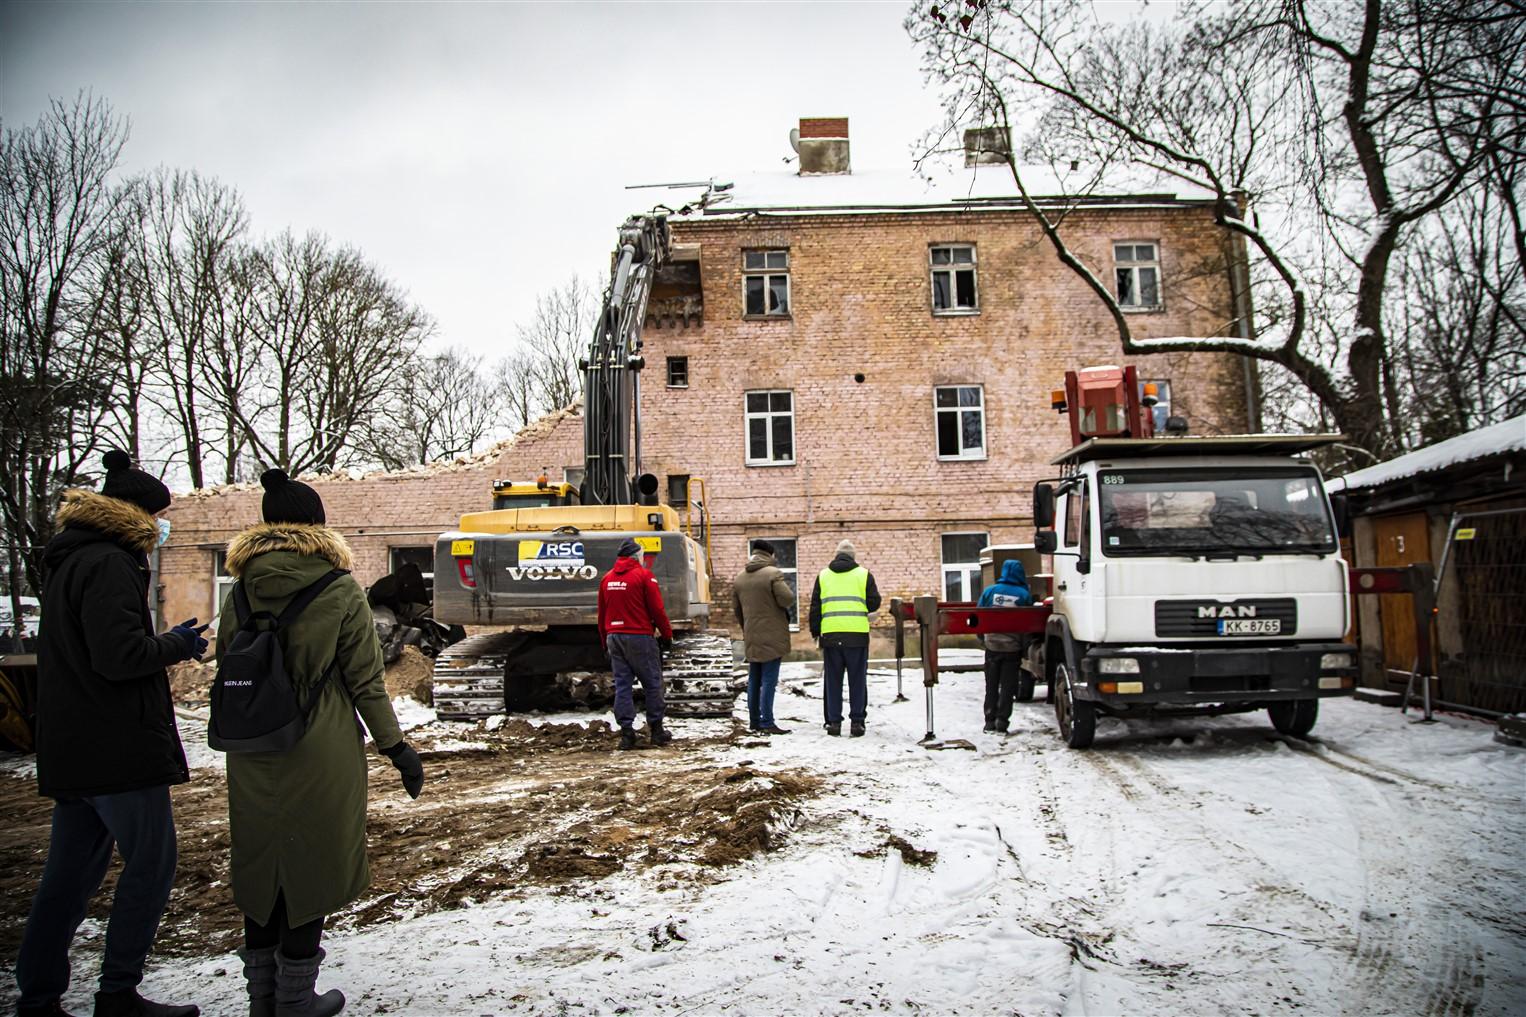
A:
(295, 978)
(857, 730)
(627, 737)
(990, 726)
(53, 1009)
(260, 975)
(834, 730)
(657, 733)
(127, 1003)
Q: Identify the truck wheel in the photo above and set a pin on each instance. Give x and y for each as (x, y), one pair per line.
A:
(1024, 688)
(1077, 717)
(1294, 717)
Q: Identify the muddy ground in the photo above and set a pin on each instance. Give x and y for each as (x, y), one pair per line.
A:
(518, 807)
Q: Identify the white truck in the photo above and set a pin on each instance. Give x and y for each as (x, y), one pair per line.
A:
(1190, 574)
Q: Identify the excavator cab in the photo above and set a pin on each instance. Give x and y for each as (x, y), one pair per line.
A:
(541, 494)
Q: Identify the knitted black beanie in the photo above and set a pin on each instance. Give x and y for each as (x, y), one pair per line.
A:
(289, 501)
(126, 483)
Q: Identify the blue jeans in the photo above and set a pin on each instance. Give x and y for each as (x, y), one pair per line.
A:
(835, 660)
(636, 657)
(762, 680)
(141, 825)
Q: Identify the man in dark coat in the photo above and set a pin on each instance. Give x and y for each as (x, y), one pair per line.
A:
(1004, 650)
(630, 608)
(841, 602)
(761, 599)
(107, 746)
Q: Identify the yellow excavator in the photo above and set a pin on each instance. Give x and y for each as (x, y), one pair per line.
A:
(529, 568)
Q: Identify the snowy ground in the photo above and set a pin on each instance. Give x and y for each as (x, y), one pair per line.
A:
(1179, 867)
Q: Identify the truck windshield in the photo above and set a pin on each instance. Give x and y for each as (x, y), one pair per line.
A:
(1274, 510)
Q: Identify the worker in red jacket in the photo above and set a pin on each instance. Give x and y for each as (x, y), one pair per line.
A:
(630, 609)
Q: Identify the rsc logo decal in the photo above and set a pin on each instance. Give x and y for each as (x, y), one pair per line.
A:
(543, 553)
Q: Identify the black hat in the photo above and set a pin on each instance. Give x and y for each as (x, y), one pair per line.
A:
(289, 501)
(126, 483)
(762, 545)
(628, 549)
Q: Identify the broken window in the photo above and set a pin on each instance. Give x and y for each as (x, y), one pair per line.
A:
(771, 428)
(961, 418)
(678, 372)
(765, 282)
(784, 557)
(678, 489)
(953, 268)
(423, 557)
(1138, 270)
(961, 565)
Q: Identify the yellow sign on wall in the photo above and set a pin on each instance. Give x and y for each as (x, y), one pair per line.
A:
(1466, 533)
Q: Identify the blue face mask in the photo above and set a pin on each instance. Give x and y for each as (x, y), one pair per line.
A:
(164, 531)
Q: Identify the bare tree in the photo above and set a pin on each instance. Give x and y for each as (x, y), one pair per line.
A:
(556, 341)
(517, 390)
(1348, 124)
(442, 406)
(186, 226)
(58, 210)
(331, 337)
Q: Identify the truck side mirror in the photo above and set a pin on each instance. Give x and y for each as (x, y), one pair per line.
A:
(1043, 506)
(1045, 541)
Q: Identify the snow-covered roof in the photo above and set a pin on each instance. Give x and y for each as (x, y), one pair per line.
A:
(1506, 436)
(899, 190)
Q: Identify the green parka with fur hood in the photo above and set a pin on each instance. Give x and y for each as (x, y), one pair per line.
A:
(298, 819)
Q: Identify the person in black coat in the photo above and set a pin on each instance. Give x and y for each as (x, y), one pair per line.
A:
(107, 746)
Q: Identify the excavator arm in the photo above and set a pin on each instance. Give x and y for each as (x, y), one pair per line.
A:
(611, 373)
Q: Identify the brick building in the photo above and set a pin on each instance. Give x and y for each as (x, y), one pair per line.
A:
(841, 354)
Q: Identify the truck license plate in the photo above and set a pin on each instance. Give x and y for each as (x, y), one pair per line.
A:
(1250, 626)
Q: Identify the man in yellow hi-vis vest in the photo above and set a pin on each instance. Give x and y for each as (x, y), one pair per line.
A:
(841, 602)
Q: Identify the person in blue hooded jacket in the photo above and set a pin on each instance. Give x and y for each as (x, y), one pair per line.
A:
(1004, 650)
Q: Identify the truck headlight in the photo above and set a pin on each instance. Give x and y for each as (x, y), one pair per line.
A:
(1118, 665)
(1330, 661)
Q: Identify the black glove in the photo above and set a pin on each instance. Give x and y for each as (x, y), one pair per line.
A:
(409, 765)
(664, 645)
(190, 635)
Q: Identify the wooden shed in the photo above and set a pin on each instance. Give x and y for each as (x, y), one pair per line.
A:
(1460, 504)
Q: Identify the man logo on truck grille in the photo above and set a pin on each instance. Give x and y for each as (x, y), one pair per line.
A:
(535, 573)
(1226, 611)
(551, 553)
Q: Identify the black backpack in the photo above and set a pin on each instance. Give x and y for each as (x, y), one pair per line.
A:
(255, 707)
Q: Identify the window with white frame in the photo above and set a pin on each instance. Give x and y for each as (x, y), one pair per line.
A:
(961, 420)
(222, 584)
(765, 284)
(1138, 273)
(1162, 407)
(953, 268)
(771, 428)
(961, 565)
(784, 557)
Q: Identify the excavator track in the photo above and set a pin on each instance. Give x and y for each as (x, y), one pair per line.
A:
(699, 679)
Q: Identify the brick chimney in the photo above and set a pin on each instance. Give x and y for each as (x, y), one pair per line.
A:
(823, 145)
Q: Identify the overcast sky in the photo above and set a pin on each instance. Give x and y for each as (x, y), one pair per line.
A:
(477, 153)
